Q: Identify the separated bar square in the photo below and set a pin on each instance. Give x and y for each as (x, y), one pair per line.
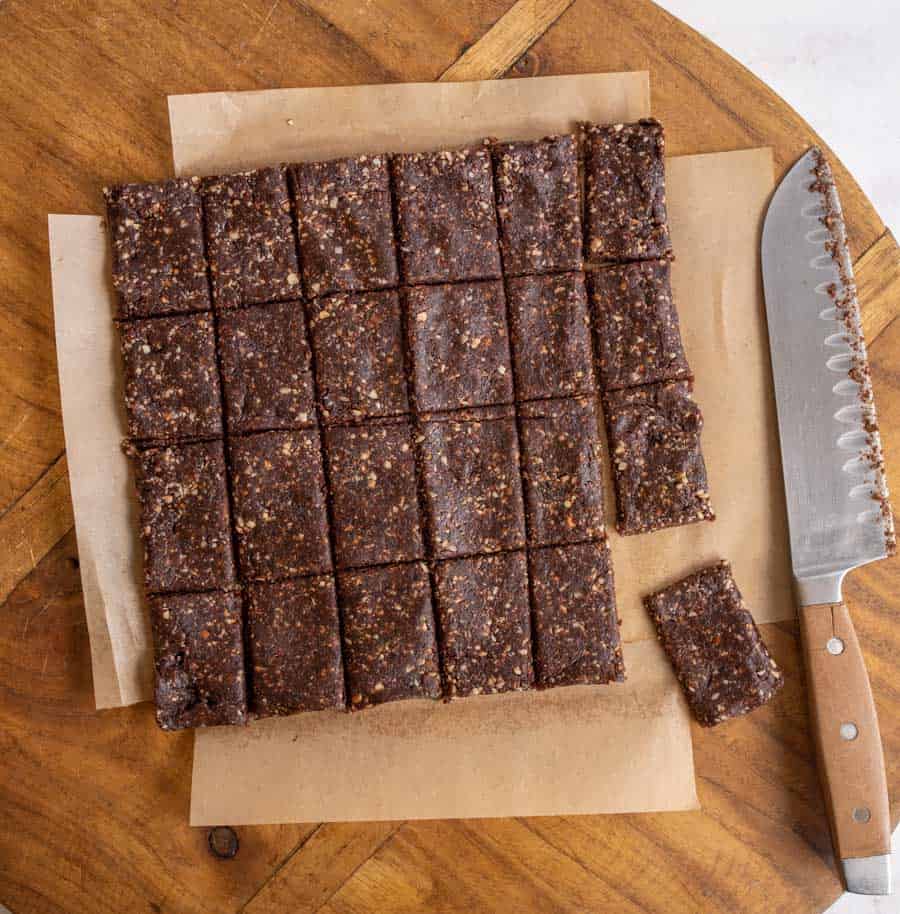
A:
(562, 473)
(185, 523)
(294, 644)
(483, 615)
(576, 628)
(374, 493)
(171, 378)
(281, 519)
(266, 368)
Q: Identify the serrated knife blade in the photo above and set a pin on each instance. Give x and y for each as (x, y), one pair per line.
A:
(837, 501)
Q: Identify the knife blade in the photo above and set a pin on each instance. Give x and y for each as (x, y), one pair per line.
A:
(837, 501)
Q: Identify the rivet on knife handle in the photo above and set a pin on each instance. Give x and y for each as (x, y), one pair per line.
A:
(848, 742)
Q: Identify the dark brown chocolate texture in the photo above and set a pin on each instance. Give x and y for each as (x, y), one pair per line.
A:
(389, 643)
(459, 345)
(158, 261)
(538, 206)
(472, 483)
(446, 217)
(561, 469)
(638, 337)
(551, 336)
(199, 660)
(279, 505)
(185, 518)
(658, 468)
(714, 645)
(576, 628)
(250, 238)
(345, 225)
(294, 645)
(171, 378)
(637, 331)
(357, 341)
(483, 614)
(626, 191)
(266, 368)
(374, 495)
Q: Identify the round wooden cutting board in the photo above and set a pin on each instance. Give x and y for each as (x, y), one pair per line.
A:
(94, 805)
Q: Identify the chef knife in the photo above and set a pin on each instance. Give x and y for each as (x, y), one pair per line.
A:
(838, 513)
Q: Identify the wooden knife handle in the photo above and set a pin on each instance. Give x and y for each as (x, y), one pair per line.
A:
(848, 742)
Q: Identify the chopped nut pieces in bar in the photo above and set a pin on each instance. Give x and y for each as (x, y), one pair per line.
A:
(626, 191)
(637, 329)
(472, 484)
(576, 629)
(184, 518)
(459, 345)
(446, 218)
(483, 614)
(561, 469)
(345, 225)
(251, 249)
(158, 264)
(389, 643)
(294, 646)
(714, 645)
(199, 658)
(551, 336)
(658, 467)
(171, 378)
(279, 505)
(357, 342)
(538, 207)
(374, 496)
(266, 368)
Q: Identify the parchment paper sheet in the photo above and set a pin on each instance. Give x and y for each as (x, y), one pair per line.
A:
(622, 748)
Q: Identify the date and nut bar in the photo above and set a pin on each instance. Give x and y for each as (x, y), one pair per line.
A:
(714, 645)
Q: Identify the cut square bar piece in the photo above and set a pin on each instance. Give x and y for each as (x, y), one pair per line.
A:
(252, 255)
(551, 336)
(483, 612)
(374, 496)
(576, 629)
(445, 210)
(266, 368)
(157, 248)
(538, 205)
(199, 657)
(345, 225)
(658, 467)
(638, 335)
(626, 191)
(714, 645)
(279, 505)
(184, 518)
(562, 472)
(472, 484)
(171, 378)
(459, 345)
(294, 642)
(357, 341)
(389, 643)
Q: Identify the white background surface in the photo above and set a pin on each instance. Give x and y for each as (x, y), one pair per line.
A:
(838, 64)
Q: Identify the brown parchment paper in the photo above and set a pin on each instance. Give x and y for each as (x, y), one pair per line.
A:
(623, 748)
(109, 552)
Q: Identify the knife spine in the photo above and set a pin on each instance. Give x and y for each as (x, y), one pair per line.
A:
(855, 363)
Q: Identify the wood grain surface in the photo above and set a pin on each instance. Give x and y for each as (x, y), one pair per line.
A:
(94, 805)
